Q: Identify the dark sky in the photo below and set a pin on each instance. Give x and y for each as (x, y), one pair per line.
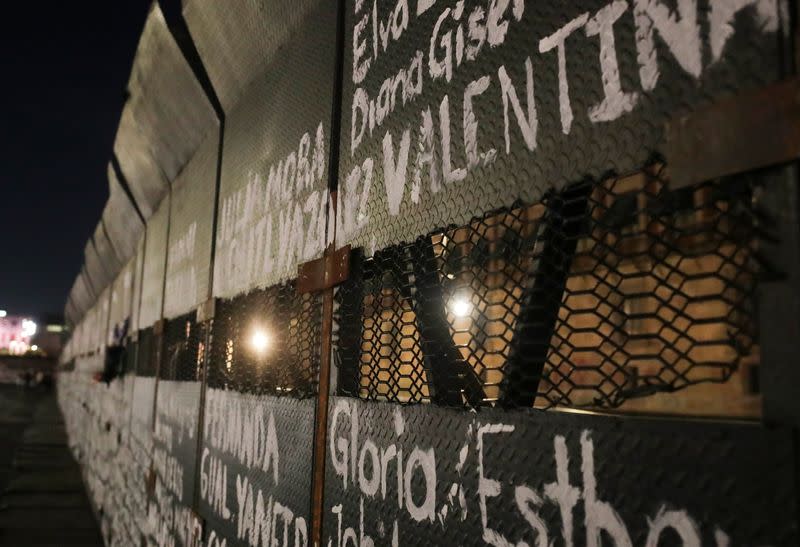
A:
(64, 70)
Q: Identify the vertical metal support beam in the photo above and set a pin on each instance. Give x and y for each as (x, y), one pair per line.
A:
(564, 223)
(779, 299)
(323, 397)
(157, 353)
(159, 327)
(137, 306)
(321, 422)
(321, 419)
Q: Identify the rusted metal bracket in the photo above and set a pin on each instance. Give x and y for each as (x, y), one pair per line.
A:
(324, 273)
(206, 310)
(752, 130)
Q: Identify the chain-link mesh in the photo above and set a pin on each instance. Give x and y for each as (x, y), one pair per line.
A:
(267, 342)
(184, 348)
(601, 293)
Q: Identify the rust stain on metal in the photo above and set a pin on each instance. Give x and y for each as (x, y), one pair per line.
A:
(754, 129)
(340, 265)
(326, 272)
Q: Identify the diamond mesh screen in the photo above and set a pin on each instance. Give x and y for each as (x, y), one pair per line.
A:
(601, 293)
(267, 342)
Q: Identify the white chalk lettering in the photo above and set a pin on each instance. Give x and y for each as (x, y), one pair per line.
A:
(722, 15)
(681, 33)
(616, 102)
(489, 488)
(529, 123)
(680, 522)
(394, 170)
(475, 158)
(600, 516)
(558, 41)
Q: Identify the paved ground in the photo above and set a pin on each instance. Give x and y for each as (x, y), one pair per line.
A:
(42, 496)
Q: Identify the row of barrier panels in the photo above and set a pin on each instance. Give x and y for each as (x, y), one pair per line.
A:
(474, 272)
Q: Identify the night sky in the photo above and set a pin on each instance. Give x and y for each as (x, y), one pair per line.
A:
(65, 66)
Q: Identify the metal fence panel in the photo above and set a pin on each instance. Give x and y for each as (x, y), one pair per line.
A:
(423, 475)
(604, 295)
(106, 251)
(452, 110)
(119, 321)
(255, 478)
(518, 246)
(191, 232)
(259, 420)
(97, 272)
(147, 182)
(155, 257)
(175, 438)
(236, 40)
(101, 321)
(166, 101)
(81, 295)
(121, 218)
(137, 284)
(274, 190)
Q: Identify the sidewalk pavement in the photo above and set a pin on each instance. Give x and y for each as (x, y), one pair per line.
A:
(42, 496)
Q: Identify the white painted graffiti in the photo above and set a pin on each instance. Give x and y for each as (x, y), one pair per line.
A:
(181, 278)
(242, 428)
(422, 154)
(374, 470)
(268, 226)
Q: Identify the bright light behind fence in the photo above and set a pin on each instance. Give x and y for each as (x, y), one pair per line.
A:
(461, 307)
(259, 341)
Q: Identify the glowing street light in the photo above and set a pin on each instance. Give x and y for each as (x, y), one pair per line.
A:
(28, 327)
(3, 313)
(461, 307)
(259, 341)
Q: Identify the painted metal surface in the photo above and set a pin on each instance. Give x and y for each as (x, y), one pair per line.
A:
(444, 112)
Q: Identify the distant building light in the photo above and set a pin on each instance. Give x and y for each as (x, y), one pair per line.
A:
(28, 327)
(34, 348)
(3, 313)
(55, 328)
(17, 347)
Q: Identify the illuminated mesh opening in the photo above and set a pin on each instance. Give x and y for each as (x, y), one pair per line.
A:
(184, 349)
(599, 294)
(267, 342)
